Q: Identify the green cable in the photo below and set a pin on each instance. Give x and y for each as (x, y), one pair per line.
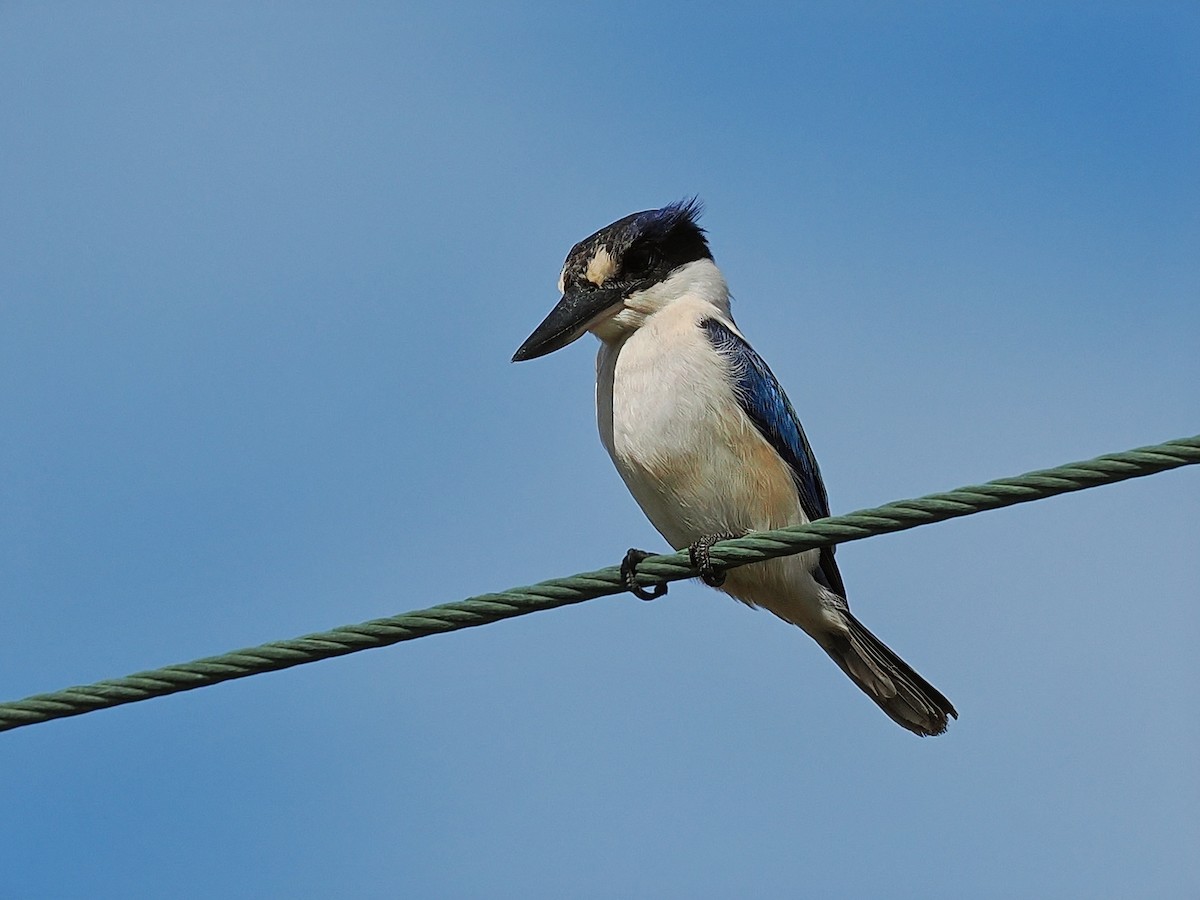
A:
(487, 608)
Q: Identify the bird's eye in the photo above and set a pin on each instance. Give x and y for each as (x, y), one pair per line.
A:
(639, 260)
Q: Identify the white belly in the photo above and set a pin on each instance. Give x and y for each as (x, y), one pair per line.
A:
(692, 459)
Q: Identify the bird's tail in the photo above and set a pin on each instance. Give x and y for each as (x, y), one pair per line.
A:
(909, 699)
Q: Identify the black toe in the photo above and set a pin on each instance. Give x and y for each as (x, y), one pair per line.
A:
(698, 553)
(629, 576)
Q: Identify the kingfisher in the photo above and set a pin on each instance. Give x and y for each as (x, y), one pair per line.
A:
(707, 441)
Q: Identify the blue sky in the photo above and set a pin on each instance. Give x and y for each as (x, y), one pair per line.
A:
(262, 268)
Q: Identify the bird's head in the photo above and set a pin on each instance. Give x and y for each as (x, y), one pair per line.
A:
(607, 273)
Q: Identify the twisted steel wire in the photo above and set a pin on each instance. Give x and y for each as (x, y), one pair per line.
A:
(487, 608)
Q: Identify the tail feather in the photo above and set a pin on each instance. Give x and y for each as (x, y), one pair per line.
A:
(909, 699)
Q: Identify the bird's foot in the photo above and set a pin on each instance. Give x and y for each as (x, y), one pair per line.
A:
(698, 554)
(629, 576)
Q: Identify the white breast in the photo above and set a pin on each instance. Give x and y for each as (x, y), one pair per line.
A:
(693, 460)
(690, 456)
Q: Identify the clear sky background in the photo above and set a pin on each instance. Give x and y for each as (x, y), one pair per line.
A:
(262, 269)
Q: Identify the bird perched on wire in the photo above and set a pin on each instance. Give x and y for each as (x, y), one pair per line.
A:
(706, 440)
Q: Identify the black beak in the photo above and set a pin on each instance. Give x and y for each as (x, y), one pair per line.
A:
(575, 312)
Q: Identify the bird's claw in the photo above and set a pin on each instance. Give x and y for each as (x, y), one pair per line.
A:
(629, 576)
(698, 553)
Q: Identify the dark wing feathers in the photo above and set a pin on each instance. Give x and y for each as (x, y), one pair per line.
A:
(768, 407)
(887, 679)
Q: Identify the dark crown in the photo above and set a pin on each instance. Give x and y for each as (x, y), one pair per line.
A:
(639, 250)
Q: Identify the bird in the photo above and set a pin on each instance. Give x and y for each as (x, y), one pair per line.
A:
(707, 441)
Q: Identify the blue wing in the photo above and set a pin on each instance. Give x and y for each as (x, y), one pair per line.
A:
(764, 401)
(768, 407)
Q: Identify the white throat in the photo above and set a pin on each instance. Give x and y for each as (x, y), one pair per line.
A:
(699, 279)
